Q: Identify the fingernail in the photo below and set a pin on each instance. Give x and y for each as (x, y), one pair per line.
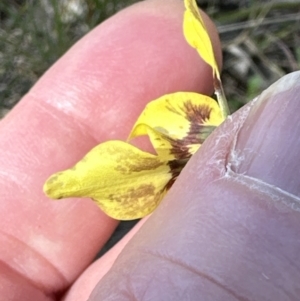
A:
(268, 144)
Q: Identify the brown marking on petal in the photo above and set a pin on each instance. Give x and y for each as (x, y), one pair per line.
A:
(176, 167)
(145, 190)
(170, 183)
(146, 164)
(179, 148)
(128, 163)
(137, 201)
(121, 168)
(197, 115)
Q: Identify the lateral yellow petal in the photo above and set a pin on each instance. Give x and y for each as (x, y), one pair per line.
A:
(124, 181)
(197, 36)
(168, 148)
(161, 142)
(178, 123)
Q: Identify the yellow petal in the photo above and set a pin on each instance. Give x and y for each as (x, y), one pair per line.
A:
(169, 148)
(124, 181)
(196, 34)
(178, 123)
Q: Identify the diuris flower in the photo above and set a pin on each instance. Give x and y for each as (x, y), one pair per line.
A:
(128, 183)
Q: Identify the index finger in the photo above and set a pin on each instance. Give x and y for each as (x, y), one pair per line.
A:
(93, 93)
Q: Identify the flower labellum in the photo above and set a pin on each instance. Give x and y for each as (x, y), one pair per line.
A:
(128, 183)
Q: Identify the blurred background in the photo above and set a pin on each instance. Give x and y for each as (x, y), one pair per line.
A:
(261, 43)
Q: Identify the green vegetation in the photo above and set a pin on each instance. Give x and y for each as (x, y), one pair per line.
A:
(34, 34)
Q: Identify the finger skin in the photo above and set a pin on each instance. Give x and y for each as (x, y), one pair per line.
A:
(93, 93)
(225, 231)
(87, 281)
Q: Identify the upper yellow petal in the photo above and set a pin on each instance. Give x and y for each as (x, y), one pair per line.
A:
(178, 123)
(197, 36)
(125, 182)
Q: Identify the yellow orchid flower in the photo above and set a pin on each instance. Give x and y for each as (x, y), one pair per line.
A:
(128, 183)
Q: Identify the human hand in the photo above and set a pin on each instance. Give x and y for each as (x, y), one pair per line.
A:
(212, 237)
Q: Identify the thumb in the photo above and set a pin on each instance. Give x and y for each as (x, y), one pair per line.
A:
(229, 228)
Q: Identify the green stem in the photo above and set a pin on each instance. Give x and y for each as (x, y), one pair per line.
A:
(219, 91)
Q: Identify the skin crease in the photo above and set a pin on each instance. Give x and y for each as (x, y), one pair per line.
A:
(236, 238)
(134, 57)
